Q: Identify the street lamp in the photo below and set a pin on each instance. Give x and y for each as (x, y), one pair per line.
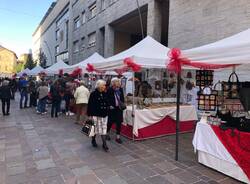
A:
(47, 45)
(140, 16)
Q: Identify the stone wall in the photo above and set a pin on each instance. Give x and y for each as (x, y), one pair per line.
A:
(197, 22)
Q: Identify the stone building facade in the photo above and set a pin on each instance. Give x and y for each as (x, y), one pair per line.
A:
(8, 61)
(194, 23)
(72, 30)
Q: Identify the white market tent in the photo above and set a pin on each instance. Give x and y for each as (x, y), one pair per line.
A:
(24, 71)
(232, 50)
(35, 71)
(148, 53)
(54, 69)
(96, 57)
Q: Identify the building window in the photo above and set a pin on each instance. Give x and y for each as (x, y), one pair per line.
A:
(76, 46)
(92, 40)
(93, 11)
(61, 35)
(83, 43)
(76, 22)
(67, 34)
(83, 17)
(57, 49)
(57, 34)
(103, 4)
(63, 56)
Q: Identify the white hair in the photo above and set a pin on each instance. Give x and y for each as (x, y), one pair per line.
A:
(115, 79)
(99, 83)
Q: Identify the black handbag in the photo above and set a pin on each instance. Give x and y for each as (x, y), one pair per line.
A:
(89, 128)
(244, 125)
(230, 88)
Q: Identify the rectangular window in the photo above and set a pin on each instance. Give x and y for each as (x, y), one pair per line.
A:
(76, 22)
(76, 46)
(103, 4)
(93, 11)
(83, 43)
(57, 49)
(83, 17)
(67, 34)
(92, 40)
(57, 34)
(61, 35)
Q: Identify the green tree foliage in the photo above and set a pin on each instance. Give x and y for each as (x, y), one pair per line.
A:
(42, 59)
(30, 62)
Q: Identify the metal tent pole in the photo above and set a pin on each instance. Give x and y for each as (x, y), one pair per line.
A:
(177, 116)
(133, 104)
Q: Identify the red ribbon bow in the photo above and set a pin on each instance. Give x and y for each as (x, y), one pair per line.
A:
(132, 65)
(90, 68)
(176, 62)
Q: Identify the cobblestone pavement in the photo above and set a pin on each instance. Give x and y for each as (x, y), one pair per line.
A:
(37, 149)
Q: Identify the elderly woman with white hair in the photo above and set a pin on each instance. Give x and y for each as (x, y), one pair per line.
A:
(116, 107)
(98, 111)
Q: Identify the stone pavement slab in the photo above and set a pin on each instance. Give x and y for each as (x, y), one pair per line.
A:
(36, 149)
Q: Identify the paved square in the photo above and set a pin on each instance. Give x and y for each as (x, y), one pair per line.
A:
(38, 149)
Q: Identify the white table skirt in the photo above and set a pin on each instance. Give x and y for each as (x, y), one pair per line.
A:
(147, 117)
(213, 153)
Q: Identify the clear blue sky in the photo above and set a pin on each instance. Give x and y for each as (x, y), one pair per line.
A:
(18, 21)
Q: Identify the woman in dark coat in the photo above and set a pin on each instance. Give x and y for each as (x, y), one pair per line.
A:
(5, 95)
(115, 114)
(56, 98)
(98, 110)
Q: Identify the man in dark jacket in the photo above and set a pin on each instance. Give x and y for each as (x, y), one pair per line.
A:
(5, 95)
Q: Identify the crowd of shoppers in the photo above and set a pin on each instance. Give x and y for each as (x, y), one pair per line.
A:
(102, 106)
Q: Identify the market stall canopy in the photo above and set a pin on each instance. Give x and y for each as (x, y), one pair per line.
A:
(148, 53)
(26, 70)
(232, 50)
(54, 69)
(96, 57)
(35, 71)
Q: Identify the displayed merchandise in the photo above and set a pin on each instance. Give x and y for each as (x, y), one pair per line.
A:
(207, 99)
(204, 78)
(158, 85)
(230, 88)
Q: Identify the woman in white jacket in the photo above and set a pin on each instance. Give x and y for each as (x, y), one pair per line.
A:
(81, 97)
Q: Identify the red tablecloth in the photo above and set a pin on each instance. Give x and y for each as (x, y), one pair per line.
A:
(167, 126)
(238, 145)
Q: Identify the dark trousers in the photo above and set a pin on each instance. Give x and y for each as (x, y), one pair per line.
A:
(33, 100)
(5, 102)
(115, 116)
(55, 108)
(24, 96)
(67, 98)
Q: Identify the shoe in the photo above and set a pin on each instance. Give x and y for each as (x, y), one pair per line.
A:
(119, 141)
(94, 144)
(71, 114)
(7, 114)
(105, 147)
(43, 113)
(67, 113)
(108, 138)
(38, 112)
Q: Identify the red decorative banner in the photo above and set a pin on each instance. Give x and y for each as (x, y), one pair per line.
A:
(176, 61)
